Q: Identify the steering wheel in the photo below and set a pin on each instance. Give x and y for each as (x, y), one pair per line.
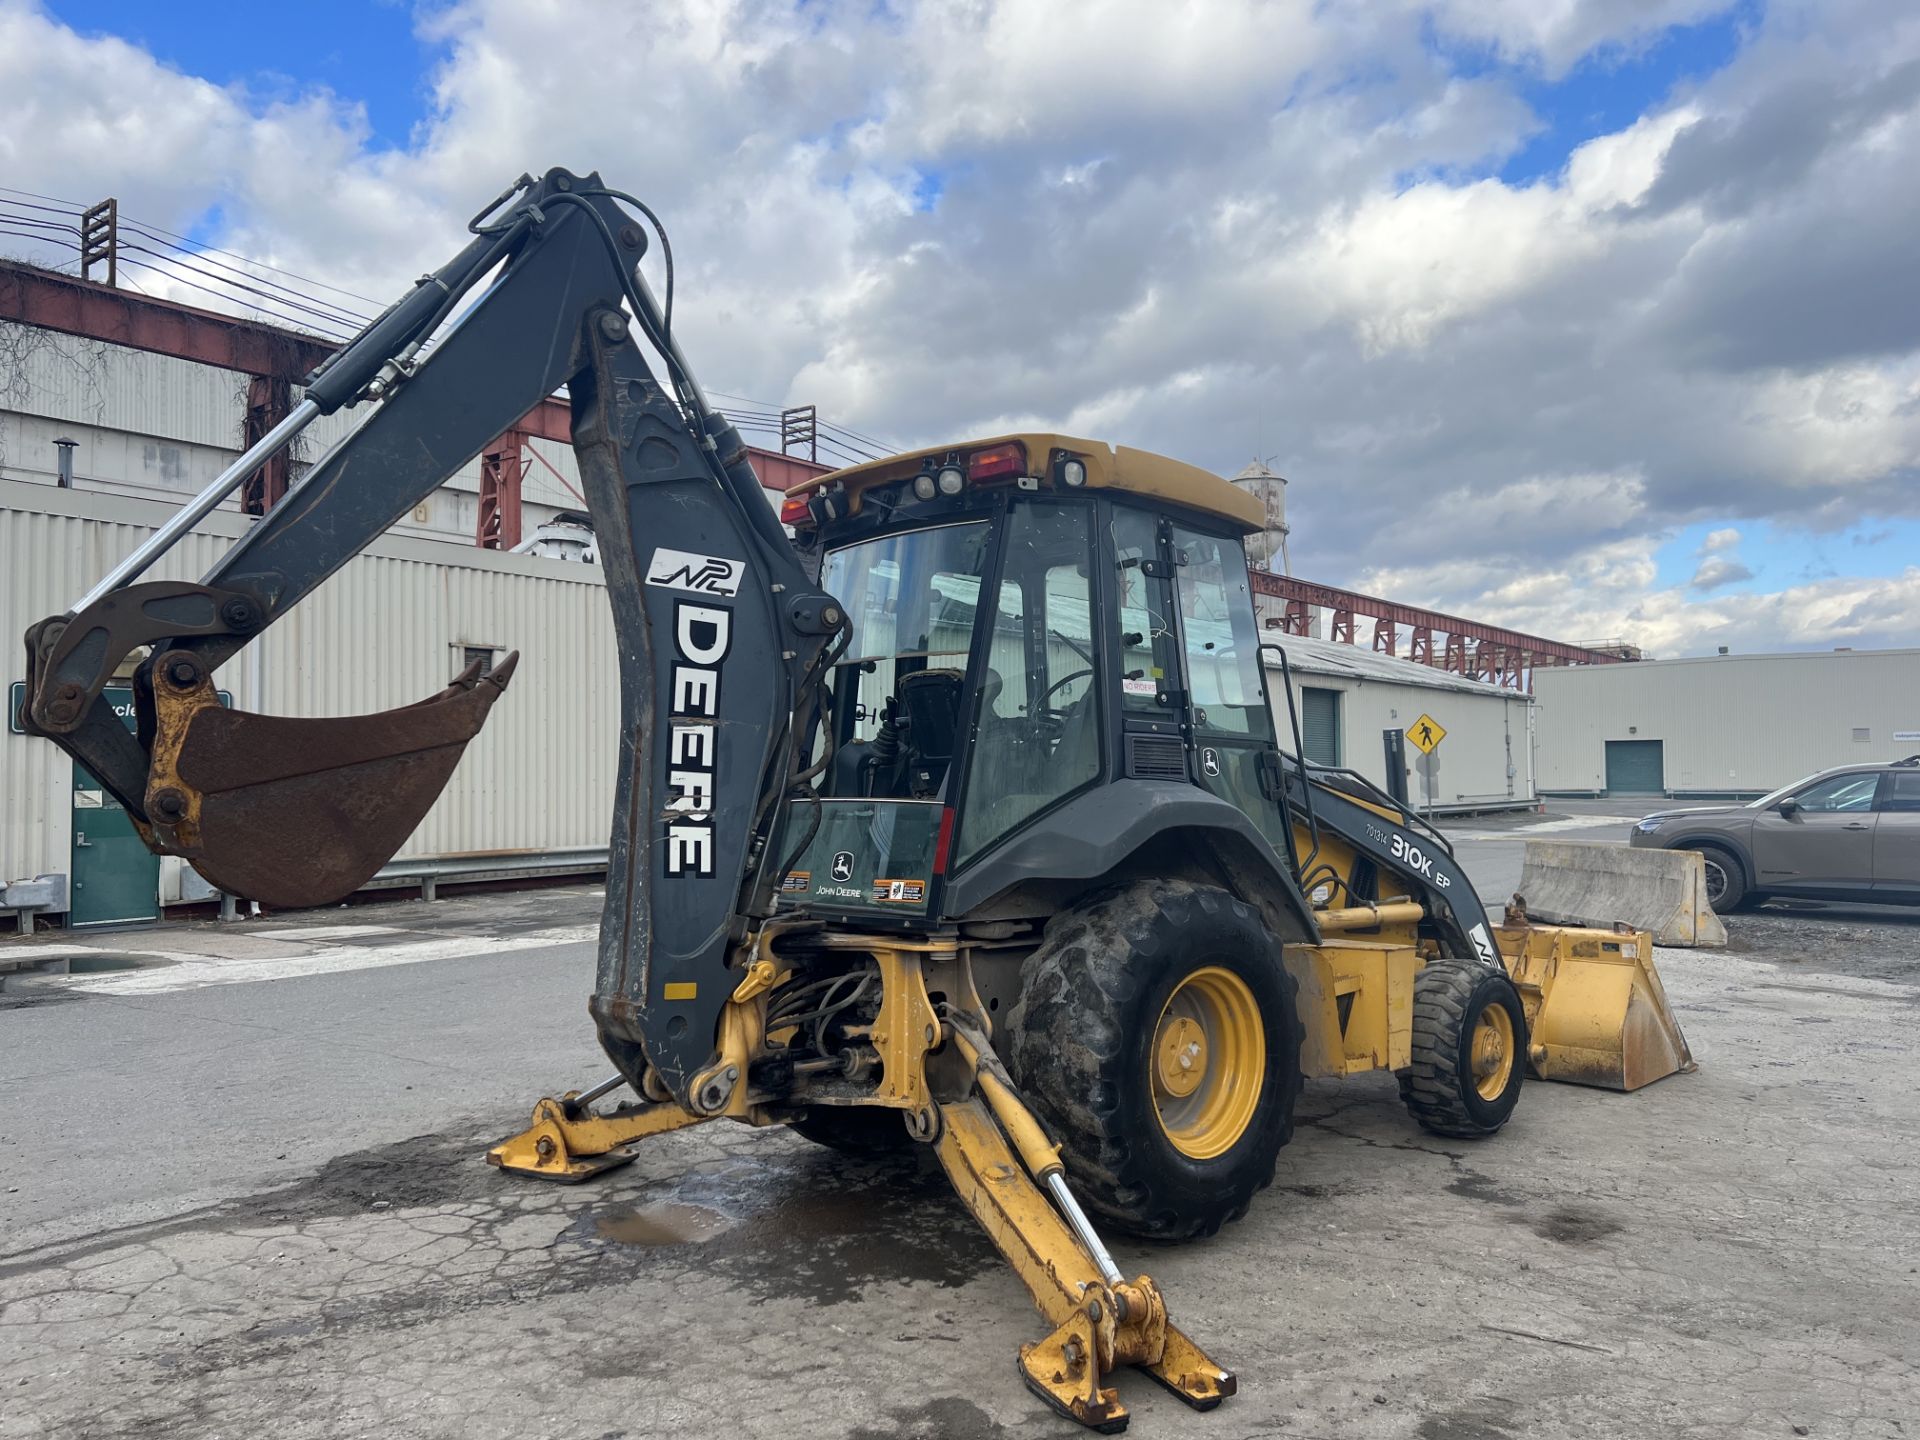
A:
(1061, 684)
(1050, 722)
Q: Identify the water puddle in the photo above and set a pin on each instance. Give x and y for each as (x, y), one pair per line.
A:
(107, 964)
(666, 1223)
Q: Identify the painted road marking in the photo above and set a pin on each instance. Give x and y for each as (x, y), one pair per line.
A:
(180, 970)
(328, 932)
(1549, 827)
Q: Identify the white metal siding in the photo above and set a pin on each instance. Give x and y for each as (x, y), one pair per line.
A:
(159, 426)
(1486, 730)
(384, 632)
(1729, 723)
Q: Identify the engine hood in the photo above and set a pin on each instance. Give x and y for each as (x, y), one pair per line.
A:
(1691, 811)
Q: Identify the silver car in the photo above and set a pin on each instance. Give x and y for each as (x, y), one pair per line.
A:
(1851, 833)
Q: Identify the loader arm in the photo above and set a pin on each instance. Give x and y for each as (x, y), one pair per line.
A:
(1596, 1012)
(722, 636)
(1398, 843)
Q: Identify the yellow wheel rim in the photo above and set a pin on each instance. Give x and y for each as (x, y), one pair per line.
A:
(1493, 1052)
(1209, 1062)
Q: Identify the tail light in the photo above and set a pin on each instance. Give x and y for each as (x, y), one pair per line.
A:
(943, 842)
(997, 461)
(793, 511)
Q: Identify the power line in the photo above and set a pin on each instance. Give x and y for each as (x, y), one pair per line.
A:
(76, 208)
(196, 266)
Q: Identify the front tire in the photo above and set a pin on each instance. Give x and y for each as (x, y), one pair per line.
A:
(1469, 1048)
(1156, 1036)
(1726, 881)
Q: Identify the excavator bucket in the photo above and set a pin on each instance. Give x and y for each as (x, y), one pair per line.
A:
(299, 812)
(1596, 1011)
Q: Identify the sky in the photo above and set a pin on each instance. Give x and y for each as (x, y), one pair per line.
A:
(1600, 320)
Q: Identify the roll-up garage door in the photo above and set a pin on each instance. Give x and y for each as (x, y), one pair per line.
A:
(1320, 725)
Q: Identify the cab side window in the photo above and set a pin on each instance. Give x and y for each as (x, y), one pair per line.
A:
(1223, 648)
(1149, 663)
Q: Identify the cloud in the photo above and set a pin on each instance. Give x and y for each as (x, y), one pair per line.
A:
(1269, 228)
(1718, 570)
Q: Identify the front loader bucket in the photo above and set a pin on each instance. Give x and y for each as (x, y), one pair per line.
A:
(1596, 1011)
(300, 812)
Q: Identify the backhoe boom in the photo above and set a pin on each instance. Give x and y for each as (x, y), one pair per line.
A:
(721, 633)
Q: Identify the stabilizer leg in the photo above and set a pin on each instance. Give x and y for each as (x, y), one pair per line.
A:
(1099, 1323)
(568, 1143)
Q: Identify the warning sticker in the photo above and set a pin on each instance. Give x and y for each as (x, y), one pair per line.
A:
(1131, 686)
(798, 882)
(899, 892)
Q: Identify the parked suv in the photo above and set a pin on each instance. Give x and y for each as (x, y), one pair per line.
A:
(1852, 833)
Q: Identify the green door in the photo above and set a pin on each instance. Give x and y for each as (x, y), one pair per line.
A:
(1320, 725)
(1635, 767)
(116, 879)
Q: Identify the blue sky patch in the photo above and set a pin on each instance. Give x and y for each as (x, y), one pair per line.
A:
(1606, 91)
(362, 50)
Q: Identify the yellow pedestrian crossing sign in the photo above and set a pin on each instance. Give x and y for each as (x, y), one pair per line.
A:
(1425, 734)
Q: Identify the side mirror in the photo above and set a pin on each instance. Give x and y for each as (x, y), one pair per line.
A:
(1788, 808)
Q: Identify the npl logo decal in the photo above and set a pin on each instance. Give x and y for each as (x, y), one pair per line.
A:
(696, 574)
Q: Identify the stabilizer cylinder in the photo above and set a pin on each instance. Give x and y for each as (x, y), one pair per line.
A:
(1098, 1326)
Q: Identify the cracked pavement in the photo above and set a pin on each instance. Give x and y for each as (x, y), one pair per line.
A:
(263, 1207)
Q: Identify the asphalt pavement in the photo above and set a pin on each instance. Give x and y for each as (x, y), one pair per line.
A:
(233, 1205)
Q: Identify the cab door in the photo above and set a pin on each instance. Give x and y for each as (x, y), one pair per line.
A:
(1232, 724)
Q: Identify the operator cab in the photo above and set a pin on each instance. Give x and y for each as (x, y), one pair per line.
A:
(1031, 617)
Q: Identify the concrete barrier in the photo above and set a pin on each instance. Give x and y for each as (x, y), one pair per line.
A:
(1585, 882)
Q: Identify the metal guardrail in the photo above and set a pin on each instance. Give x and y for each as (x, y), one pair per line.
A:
(428, 871)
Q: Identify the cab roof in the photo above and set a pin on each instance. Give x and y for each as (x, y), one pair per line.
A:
(1109, 467)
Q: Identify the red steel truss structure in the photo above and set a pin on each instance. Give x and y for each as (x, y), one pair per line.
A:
(1469, 648)
(275, 360)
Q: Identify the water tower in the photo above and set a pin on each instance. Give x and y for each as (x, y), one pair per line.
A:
(1268, 549)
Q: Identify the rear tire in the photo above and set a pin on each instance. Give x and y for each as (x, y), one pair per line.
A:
(1469, 1048)
(1156, 1037)
(1726, 881)
(865, 1130)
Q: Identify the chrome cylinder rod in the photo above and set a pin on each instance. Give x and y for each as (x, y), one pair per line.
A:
(605, 1087)
(1082, 1227)
(198, 508)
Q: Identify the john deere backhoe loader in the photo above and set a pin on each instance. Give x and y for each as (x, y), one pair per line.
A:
(959, 821)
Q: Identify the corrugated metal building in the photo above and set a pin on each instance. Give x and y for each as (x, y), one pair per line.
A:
(1734, 725)
(1347, 697)
(162, 427)
(390, 629)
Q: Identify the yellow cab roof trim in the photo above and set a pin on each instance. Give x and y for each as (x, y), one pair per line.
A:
(1109, 467)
